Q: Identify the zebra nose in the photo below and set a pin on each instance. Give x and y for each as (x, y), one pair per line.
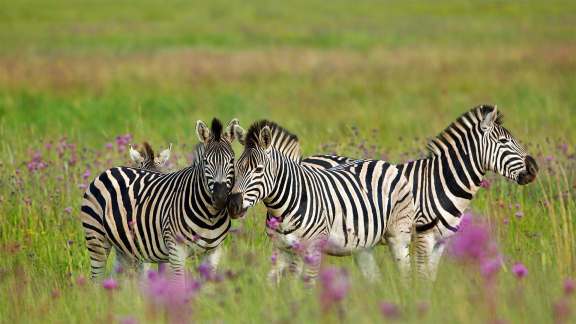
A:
(235, 205)
(528, 175)
(219, 195)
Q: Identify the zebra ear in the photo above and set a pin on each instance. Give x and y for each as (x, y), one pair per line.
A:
(239, 134)
(202, 131)
(135, 155)
(265, 137)
(489, 119)
(164, 156)
(229, 132)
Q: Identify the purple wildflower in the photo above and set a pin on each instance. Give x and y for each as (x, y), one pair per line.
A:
(472, 242)
(273, 223)
(491, 267)
(36, 163)
(86, 175)
(569, 286)
(389, 310)
(110, 284)
(68, 210)
(519, 214)
(485, 184)
(173, 296)
(80, 281)
(334, 286)
(519, 270)
(561, 311)
(109, 146)
(205, 271)
(128, 320)
(274, 257)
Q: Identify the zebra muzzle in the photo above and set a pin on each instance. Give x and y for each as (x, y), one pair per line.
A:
(235, 208)
(219, 195)
(528, 175)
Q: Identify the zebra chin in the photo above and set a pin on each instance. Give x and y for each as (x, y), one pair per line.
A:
(235, 206)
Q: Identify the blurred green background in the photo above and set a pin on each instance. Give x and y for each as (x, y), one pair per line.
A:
(398, 71)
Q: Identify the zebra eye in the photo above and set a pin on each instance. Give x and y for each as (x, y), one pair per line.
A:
(259, 169)
(503, 140)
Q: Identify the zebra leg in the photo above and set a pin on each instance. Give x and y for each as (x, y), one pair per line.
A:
(213, 257)
(367, 265)
(400, 249)
(98, 249)
(312, 267)
(283, 260)
(429, 251)
(177, 255)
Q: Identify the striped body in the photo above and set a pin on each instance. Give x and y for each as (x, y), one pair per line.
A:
(148, 216)
(352, 207)
(444, 184)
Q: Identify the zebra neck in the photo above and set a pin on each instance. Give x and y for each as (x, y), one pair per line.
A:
(200, 196)
(286, 188)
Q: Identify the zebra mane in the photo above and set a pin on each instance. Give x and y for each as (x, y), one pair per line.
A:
(282, 140)
(147, 151)
(216, 129)
(474, 117)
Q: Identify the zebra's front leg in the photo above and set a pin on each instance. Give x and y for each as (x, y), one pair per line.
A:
(177, 255)
(213, 257)
(282, 260)
(400, 248)
(429, 251)
(367, 265)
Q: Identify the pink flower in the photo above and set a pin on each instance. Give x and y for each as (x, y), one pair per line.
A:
(110, 284)
(68, 210)
(389, 310)
(519, 270)
(561, 311)
(569, 286)
(173, 296)
(472, 241)
(128, 320)
(205, 271)
(81, 281)
(109, 146)
(86, 175)
(36, 163)
(273, 223)
(519, 214)
(491, 267)
(485, 183)
(334, 286)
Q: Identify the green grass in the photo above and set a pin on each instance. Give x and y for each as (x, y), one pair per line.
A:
(90, 70)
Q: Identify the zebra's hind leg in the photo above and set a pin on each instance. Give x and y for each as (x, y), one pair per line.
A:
(98, 249)
(367, 265)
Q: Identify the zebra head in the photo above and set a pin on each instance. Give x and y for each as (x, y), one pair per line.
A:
(500, 151)
(218, 158)
(256, 168)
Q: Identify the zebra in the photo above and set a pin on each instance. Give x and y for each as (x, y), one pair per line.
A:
(352, 207)
(145, 158)
(444, 184)
(147, 216)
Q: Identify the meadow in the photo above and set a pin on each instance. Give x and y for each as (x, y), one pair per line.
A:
(373, 79)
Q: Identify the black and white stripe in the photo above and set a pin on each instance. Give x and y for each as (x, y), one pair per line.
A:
(352, 207)
(148, 216)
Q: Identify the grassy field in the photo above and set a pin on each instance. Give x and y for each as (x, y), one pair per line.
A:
(76, 74)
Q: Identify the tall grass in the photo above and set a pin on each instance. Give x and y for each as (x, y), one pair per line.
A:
(366, 79)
